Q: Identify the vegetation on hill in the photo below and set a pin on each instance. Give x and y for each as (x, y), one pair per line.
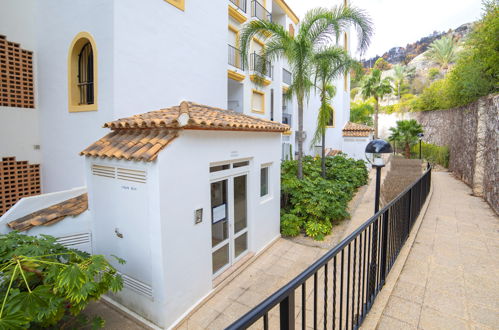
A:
(406, 132)
(45, 285)
(313, 204)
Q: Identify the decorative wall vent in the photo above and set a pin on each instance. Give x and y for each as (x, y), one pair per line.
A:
(106, 171)
(76, 239)
(132, 175)
(16, 75)
(18, 179)
(136, 285)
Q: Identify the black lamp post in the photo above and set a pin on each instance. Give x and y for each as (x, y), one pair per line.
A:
(374, 151)
(420, 136)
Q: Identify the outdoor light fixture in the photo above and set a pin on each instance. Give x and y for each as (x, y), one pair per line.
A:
(420, 136)
(376, 152)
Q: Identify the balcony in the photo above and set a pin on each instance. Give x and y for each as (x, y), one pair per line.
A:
(287, 78)
(286, 119)
(241, 4)
(259, 11)
(235, 58)
(260, 65)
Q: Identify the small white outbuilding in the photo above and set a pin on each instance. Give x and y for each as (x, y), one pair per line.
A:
(182, 194)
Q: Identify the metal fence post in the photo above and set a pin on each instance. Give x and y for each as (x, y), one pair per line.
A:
(384, 246)
(287, 312)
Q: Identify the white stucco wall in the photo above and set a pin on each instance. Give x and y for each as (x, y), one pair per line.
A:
(385, 121)
(185, 186)
(355, 147)
(65, 134)
(164, 55)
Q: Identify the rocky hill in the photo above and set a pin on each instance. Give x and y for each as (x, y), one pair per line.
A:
(410, 51)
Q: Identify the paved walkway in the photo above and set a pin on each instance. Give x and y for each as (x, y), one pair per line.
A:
(451, 277)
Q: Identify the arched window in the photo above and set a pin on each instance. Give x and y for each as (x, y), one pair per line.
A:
(82, 74)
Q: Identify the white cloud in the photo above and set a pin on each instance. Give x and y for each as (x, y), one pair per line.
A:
(399, 22)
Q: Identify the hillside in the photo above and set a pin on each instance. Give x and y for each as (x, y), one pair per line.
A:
(406, 54)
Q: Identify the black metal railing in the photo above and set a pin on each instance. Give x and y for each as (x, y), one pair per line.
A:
(259, 64)
(286, 119)
(286, 77)
(241, 4)
(259, 11)
(341, 286)
(235, 58)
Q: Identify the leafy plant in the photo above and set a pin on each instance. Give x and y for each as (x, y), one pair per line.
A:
(315, 199)
(433, 73)
(318, 230)
(361, 113)
(382, 64)
(432, 153)
(406, 132)
(318, 27)
(290, 225)
(401, 74)
(44, 284)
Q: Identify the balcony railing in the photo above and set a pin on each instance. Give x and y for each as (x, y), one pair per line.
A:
(286, 119)
(235, 58)
(287, 77)
(241, 4)
(347, 279)
(259, 11)
(259, 64)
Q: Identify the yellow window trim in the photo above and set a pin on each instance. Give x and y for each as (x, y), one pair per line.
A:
(263, 102)
(73, 93)
(288, 132)
(235, 75)
(254, 78)
(236, 31)
(258, 41)
(284, 6)
(180, 4)
(285, 89)
(235, 14)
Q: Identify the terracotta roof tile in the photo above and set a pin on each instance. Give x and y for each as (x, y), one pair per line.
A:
(332, 152)
(356, 130)
(199, 117)
(51, 214)
(132, 144)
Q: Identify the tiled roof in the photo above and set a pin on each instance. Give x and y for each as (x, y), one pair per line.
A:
(332, 152)
(199, 117)
(132, 144)
(356, 130)
(51, 214)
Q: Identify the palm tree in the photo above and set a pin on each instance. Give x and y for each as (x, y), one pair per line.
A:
(374, 86)
(442, 51)
(318, 27)
(328, 64)
(406, 132)
(400, 74)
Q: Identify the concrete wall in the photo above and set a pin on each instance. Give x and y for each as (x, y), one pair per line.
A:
(472, 134)
(185, 186)
(17, 23)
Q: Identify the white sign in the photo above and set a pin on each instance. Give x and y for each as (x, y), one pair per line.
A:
(219, 213)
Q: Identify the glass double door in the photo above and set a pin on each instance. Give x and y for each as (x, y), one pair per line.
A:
(229, 221)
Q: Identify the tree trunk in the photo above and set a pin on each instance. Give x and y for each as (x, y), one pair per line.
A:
(407, 150)
(376, 109)
(323, 160)
(300, 137)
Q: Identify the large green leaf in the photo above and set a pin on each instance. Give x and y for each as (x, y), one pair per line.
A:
(13, 321)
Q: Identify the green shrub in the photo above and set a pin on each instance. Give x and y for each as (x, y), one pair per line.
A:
(432, 153)
(433, 73)
(361, 113)
(43, 284)
(290, 225)
(315, 199)
(318, 230)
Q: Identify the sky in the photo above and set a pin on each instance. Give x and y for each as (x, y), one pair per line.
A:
(399, 22)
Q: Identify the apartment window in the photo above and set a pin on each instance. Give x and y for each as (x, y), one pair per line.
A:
(330, 123)
(82, 74)
(258, 101)
(264, 181)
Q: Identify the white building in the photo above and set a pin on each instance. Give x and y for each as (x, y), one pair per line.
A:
(212, 194)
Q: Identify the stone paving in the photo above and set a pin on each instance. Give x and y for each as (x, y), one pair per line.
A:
(450, 278)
